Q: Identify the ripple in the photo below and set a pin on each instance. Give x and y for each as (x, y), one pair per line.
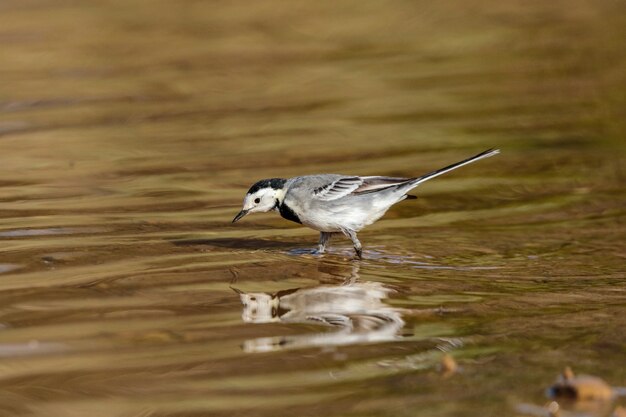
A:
(382, 257)
(32, 347)
(52, 231)
(9, 267)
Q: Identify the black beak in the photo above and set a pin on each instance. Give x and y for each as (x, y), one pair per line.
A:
(237, 290)
(240, 215)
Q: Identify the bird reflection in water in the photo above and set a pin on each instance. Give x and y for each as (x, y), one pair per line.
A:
(355, 309)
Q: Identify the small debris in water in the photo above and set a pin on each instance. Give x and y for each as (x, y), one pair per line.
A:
(448, 365)
(580, 388)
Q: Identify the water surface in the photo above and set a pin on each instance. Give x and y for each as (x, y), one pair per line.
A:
(130, 132)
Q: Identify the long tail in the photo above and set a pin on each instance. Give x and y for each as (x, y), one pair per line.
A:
(486, 154)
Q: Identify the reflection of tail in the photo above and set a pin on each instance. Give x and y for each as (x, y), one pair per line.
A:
(355, 309)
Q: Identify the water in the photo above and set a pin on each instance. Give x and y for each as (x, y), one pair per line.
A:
(130, 132)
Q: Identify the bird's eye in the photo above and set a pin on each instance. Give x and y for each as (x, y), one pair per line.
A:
(257, 200)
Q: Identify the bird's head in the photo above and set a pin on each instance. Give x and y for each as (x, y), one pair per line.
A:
(261, 197)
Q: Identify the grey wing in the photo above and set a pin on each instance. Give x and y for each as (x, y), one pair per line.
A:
(355, 185)
(338, 188)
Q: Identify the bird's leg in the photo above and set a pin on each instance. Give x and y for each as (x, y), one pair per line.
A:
(351, 234)
(324, 238)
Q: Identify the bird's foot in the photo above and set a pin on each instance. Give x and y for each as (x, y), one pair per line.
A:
(359, 252)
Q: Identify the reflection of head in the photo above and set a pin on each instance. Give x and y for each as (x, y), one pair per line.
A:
(259, 307)
(357, 310)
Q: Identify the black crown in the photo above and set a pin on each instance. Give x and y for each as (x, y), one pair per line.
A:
(275, 183)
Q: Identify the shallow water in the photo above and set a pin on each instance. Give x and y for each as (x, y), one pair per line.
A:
(130, 132)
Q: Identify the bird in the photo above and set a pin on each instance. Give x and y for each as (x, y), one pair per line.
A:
(335, 203)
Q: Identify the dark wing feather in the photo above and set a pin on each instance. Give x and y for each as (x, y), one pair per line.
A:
(356, 185)
(372, 184)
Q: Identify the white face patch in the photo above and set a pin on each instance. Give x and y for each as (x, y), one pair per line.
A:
(261, 201)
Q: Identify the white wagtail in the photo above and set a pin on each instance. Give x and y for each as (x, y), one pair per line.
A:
(332, 203)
